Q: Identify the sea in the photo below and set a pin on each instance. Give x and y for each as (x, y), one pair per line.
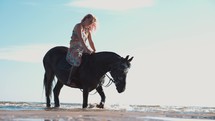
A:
(195, 112)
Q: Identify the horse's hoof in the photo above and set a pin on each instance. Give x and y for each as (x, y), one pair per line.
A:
(57, 106)
(48, 105)
(100, 106)
(84, 106)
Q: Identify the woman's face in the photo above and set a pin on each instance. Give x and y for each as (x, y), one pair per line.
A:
(88, 21)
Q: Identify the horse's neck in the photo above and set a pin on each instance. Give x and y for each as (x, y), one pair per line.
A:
(106, 59)
(99, 64)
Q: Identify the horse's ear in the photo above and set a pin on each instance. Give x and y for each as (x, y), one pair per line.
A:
(126, 58)
(130, 59)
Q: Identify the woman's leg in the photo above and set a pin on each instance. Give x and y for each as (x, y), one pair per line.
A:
(72, 75)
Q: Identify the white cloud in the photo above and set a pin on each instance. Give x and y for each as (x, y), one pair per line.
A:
(25, 53)
(112, 5)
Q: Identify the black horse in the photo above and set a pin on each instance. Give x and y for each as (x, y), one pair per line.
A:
(89, 75)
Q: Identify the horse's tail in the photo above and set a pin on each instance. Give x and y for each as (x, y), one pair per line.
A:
(48, 79)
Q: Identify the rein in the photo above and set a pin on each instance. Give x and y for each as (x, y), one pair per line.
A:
(110, 81)
(107, 85)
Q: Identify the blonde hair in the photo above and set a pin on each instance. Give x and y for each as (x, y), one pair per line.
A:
(92, 27)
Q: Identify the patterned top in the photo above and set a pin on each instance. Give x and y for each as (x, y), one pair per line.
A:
(76, 49)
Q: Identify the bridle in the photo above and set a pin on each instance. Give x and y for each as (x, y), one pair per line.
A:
(111, 80)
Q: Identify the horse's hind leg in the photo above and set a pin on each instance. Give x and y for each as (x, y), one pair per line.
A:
(56, 91)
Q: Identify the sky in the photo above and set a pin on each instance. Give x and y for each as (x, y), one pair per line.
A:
(172, 41)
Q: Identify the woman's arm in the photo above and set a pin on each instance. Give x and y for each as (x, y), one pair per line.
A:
(91, 42)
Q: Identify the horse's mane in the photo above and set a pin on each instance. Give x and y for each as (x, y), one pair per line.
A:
(106, 55)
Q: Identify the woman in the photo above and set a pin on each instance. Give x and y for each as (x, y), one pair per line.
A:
(81, 33)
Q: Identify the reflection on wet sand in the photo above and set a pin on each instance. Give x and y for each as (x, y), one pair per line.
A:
(115, 113)
(91, 118)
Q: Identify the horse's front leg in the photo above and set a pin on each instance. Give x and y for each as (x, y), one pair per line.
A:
(85, 97)
(102, 94)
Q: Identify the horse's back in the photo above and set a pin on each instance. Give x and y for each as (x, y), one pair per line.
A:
(53, 56)
(55, 52)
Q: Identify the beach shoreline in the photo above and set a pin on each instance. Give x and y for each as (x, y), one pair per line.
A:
(95, 115)
(36, 111)
(72, 115)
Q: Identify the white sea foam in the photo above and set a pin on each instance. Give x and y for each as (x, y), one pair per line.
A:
(126, 107)
(197, 112)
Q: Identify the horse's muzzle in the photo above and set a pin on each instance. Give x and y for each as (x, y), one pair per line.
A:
(120, 90)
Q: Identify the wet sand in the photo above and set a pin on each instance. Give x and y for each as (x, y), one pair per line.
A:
(71, 115)
(99, 115)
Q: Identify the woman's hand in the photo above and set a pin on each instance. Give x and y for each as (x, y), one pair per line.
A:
(93, 52)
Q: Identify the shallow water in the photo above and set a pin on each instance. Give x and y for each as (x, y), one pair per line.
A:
(171, 113)
(137, 108)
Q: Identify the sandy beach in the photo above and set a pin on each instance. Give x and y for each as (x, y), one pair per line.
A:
(72, 115)
(99, 115)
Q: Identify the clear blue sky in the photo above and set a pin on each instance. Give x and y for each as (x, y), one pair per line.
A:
(172, 41)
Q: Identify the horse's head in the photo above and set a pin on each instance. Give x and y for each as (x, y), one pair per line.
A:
(119, 72)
